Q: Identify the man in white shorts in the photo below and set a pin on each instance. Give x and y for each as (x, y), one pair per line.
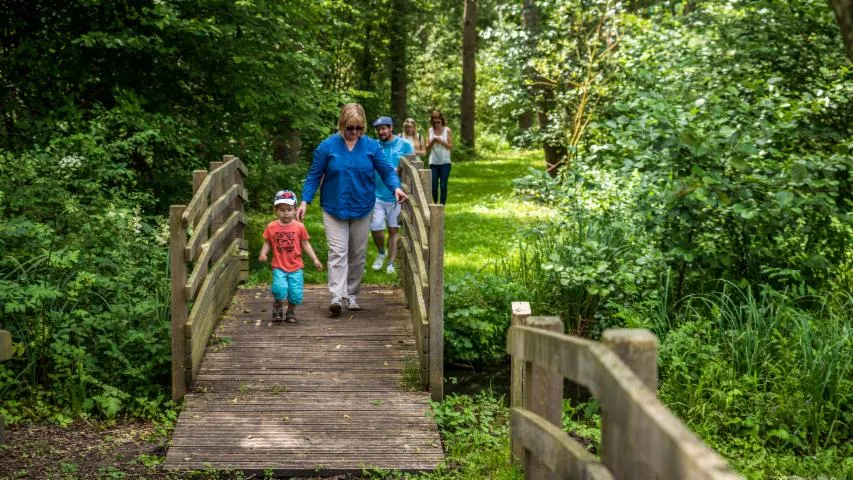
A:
(386, 211)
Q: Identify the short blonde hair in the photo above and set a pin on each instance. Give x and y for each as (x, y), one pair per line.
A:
(349, 112)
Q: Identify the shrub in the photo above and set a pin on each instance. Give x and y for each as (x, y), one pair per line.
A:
(83, 285)
(477, 315)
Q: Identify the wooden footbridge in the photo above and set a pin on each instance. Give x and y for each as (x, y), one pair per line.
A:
(327, 395)
(349, 394)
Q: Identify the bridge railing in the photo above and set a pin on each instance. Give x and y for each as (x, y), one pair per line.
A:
(421, 271)
(6, 351)
(640, 437)
(207, 259)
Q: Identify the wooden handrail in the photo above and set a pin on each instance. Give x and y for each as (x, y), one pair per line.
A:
(421, 271)
(641, 438)
(213, 219)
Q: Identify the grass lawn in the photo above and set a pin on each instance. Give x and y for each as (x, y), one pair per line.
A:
(481, 219)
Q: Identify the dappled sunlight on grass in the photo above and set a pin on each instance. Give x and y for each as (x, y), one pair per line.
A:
(483, 215)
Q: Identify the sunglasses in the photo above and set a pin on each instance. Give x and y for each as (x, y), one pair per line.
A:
(353, 128)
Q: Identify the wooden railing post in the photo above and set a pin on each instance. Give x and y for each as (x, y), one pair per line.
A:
(543, 396)
(216, 190)
(623, 449)
(5, 354)
(178, 303)
(520, 314)
(436, 302)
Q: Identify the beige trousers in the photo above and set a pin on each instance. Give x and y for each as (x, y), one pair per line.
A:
(347, 240)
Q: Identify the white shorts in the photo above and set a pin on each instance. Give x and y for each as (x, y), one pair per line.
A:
(385, 214)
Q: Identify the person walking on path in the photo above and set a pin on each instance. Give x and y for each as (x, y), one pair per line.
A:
(287, 238)
(411, 133)
(347, 162)
(439, 145)
(386, 211)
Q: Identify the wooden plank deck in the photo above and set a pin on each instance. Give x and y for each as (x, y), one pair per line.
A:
(322, 396)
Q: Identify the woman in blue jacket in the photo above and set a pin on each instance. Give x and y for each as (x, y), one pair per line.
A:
(345, 163)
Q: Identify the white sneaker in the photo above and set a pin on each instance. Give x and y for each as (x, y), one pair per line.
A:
(352, 304)
(380, 259)
(391, 270)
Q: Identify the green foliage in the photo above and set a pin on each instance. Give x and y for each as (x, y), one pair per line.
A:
(83, 285)
(749, 179)
(475, 430)
(595, 253)
(761, 370)
(477, 317)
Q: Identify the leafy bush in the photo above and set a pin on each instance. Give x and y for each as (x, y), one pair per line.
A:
(477, 315)
(595, 254)
(83, 285)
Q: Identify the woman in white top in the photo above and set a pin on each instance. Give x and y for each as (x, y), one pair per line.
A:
(410, 133)
(439, 145)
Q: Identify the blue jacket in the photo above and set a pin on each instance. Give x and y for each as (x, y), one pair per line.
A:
(348, 190)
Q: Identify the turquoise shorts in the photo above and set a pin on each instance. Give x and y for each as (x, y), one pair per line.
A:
(287, 286)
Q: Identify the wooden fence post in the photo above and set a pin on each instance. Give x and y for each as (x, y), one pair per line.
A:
(216, 190)
(623, 449)
(520, 314)
(5, 354)
(543, 396)
(178, 303)
(436, 302)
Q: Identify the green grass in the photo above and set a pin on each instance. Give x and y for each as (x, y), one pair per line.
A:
(482, 215)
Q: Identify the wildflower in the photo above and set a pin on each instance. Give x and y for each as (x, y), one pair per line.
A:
(70, 162)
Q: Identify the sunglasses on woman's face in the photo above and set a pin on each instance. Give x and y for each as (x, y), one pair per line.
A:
(354, 128)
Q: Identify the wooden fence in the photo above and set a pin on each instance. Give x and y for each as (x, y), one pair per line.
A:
(640, 437)
(5, 354)
(208, 241)
(421, 271)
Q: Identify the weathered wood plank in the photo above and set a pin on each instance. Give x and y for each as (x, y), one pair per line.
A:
(677, 452)
(551, 445)
(5, 345)
(177, 302)
(322, 396)
(202, 193)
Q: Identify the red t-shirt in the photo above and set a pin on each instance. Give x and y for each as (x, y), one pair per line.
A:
(286, 243)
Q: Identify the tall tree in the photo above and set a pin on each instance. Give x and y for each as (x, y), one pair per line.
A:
(844, 14)
(397, 59)
(469, 73)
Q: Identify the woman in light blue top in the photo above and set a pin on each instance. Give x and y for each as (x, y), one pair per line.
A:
(345, 163)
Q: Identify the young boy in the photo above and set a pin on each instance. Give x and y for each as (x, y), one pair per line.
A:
(287, 238)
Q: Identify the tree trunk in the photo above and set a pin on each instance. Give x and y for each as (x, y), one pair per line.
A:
(397, 61)
(469, 74)
(530, 24)
(542, 94)
(844, 14)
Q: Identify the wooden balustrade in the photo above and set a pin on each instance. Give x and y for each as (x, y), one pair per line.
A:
(207, 258)
(640, 437)
(421, 271)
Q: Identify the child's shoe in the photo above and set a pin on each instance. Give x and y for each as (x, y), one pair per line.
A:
(290, 316)
(277, 313)
(391, 270)
(380, 259)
